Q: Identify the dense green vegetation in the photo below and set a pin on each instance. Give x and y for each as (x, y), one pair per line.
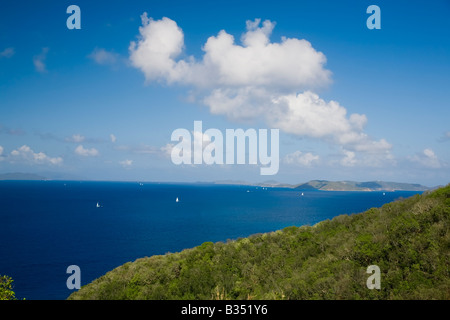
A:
(408, 239)
(6, 288)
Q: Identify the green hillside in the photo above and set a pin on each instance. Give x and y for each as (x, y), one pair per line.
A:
(408, 239)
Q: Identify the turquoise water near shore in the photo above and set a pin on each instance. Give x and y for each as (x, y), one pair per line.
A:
(47, 226)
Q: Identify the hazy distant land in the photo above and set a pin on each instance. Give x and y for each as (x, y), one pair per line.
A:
(21, 176)
(360, 186)
(323, 185)
(326, 185)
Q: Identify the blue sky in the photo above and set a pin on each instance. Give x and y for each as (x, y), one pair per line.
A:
(350, 103)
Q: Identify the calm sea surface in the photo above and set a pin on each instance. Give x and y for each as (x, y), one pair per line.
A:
(46, 226)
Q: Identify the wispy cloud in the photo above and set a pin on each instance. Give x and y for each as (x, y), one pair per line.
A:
(7, 53)
(141, 149)
(77, 138)
(39, 61)
(10, 131)
(427, 158)
(126, 163)
(104, 57)
(445, 137)
(74, 138)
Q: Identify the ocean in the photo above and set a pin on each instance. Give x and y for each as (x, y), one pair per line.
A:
(46, 226)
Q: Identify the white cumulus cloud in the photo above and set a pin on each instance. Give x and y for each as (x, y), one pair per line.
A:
(256, 79)
(85, 152)
(349, 159)
(27, 154)
(291, 63)
(427, 158)
(299, 158)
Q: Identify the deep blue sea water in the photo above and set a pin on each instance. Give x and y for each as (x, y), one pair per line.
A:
(46, 226)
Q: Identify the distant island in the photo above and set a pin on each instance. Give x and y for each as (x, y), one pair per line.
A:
(360, 186)
(322, 185)
(21, 176)
(271, 183)
(325, 185)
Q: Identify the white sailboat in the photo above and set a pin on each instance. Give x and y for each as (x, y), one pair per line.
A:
(302, 194)
(177, 200)
(98, 205)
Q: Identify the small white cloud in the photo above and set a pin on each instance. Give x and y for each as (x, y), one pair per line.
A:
(167, 149)
(26, 153)
(39, 61)
(429, 153)
(349, 159)
(77, 138)
(113, 138)
(81, 151)
(7, 53)
(1, 153)
(445, 137)
(300, 158)
(103, 57)
(427, 158)
(126, 163)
